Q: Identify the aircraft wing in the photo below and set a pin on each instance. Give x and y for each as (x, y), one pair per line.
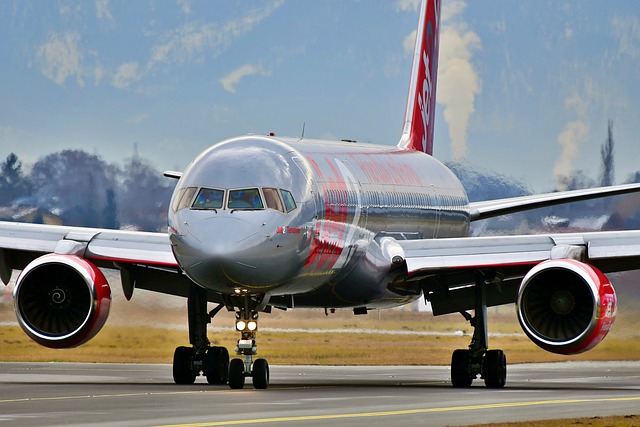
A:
(145, 259)
(444, 268)
(493, 208)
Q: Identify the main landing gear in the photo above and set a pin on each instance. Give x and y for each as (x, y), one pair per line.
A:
(213, 361)
(467, 364)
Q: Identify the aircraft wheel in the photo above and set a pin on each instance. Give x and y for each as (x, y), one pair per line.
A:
(236, 374)
(461, 369)
(183, 366)
(260, 374)
(224, 357)
(494, 369)
(216, 365)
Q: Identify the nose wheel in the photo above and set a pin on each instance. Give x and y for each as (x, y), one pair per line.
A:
(240, 369)
(259, 374)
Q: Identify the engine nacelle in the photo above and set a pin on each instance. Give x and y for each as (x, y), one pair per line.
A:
(61, 301)
(566, 306)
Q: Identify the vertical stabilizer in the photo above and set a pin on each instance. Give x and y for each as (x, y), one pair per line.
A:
(417, 132)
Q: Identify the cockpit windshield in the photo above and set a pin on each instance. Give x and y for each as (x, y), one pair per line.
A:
(247, 198)
(208, 198)
(204, 198)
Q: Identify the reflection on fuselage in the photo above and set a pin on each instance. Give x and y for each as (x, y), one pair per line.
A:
(286, 217)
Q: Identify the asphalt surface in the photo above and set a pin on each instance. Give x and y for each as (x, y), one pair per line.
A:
(73, 394)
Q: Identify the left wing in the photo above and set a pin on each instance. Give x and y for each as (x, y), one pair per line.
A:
(445, 268)
(493, 208)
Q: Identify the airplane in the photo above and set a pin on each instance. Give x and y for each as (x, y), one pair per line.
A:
(263, 222)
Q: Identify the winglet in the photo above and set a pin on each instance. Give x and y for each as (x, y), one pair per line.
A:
(173, 174)
(417, 132)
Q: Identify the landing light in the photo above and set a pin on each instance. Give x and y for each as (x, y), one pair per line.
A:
(242, 325)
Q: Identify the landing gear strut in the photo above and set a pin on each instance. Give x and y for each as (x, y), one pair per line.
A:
(467, 364)
(212, 361)
(239, 369)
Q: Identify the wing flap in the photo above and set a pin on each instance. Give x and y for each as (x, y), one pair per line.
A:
(132, 247)
(475, 252)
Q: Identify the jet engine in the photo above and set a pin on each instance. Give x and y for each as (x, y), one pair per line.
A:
(61, 301)
(566, 306)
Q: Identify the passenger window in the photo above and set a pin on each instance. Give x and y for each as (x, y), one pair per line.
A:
(272, 199)
(248, 198)
(185, 199)
(208, 198)
(287, 198)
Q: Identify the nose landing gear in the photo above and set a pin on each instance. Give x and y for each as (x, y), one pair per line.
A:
(239, 369)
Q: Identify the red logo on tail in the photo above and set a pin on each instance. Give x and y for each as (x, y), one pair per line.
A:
(418, 125)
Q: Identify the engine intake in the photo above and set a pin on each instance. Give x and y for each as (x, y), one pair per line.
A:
(61, 301)
(566, 306)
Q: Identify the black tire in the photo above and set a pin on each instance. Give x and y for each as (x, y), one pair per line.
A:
(236, 374)
(461, 369)
(213, 366)
(494, 369)
(260, 374)
(183, 372)
(224, 363)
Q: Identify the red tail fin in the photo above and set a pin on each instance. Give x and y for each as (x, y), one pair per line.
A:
(417, 132)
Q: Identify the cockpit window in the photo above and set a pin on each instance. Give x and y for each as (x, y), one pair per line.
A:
(183, 198)
(247, 198)
(272, 199)
(208, 198)
(287, 198)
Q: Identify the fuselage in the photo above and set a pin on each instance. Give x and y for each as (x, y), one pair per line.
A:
(307, 222)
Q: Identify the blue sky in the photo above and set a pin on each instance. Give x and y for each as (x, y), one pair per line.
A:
(525, 87)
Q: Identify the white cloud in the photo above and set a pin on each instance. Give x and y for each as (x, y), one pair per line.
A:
(458, 81)
(185, 5)
(102, 10)
(407, 5)
(627, 32)
(409, 42)
(60, 57)
(570, 138)
(230, 81)
(126, 74)
(192, 41)
(574, 133)
(98, 74)
(136, 120)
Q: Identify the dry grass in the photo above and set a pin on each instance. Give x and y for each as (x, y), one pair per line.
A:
(620, 421)
(136, 334)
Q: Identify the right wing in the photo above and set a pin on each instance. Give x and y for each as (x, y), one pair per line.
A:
(144, 259)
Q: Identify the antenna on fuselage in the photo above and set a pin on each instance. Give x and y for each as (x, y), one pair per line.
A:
(303, 126)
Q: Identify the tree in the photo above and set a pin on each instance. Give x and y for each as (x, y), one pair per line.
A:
(13, 184)
(606, 151)
(75, 185)
(145, 196)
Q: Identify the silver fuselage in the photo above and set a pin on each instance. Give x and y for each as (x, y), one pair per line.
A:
(335, 248)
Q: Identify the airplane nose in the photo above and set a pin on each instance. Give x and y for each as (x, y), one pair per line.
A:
(226, 253)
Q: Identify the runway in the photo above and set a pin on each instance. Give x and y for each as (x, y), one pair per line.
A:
(73, 394)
